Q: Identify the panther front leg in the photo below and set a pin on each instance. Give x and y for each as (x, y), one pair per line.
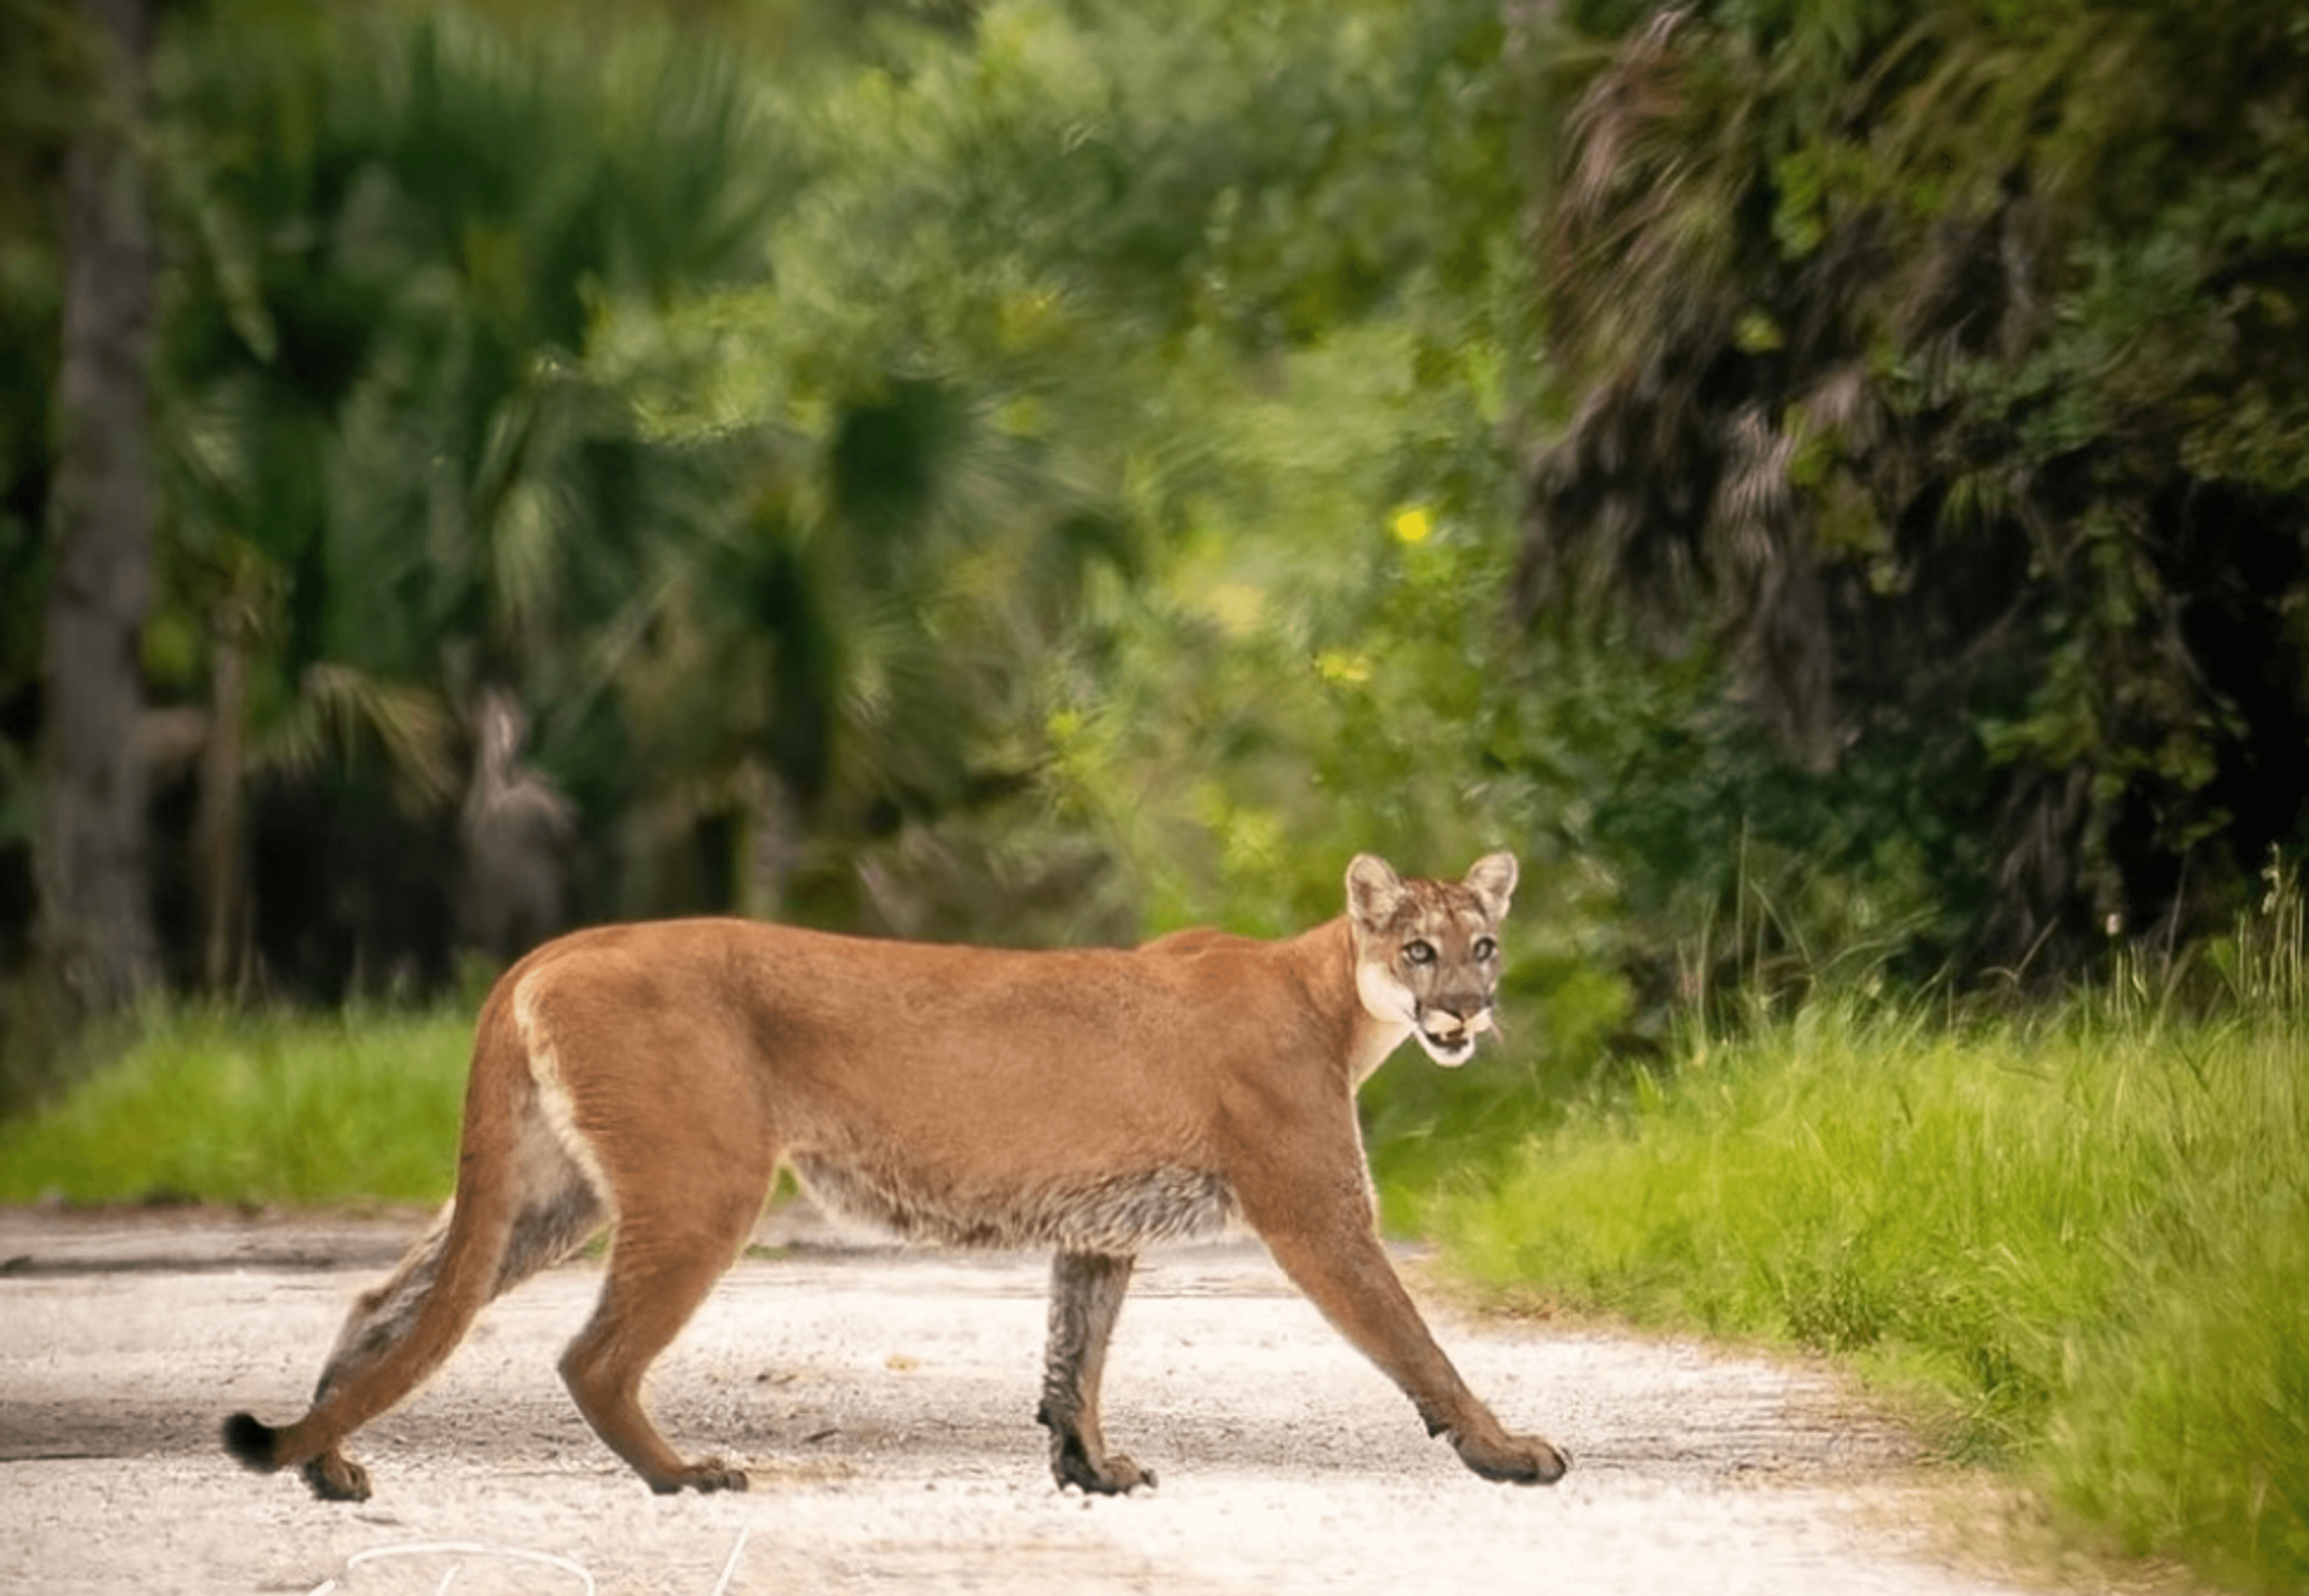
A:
(1327, 1243)
(1087, 1291)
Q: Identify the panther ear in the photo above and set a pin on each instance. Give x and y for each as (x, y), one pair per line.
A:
(1492, 878)
(1373, 891)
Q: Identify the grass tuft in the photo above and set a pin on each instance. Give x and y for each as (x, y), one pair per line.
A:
(211, 1104)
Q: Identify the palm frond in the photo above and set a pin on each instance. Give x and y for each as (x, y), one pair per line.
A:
(341, 716)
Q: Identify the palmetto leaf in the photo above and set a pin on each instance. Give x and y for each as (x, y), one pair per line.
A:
(341, 714)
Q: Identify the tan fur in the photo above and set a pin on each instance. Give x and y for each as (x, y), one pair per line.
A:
(1093, 1102)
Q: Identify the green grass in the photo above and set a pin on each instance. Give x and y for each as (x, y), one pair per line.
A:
(215, 1104)
(2080, 1246)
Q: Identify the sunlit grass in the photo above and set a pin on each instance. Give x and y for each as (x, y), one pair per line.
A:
(219, 1105)
(2080, 1246)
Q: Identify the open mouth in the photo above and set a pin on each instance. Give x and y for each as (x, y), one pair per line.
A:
(1448, 1039)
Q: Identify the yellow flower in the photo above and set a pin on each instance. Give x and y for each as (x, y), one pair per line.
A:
(1414, 523)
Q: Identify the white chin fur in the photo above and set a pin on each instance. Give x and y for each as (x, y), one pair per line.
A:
(1451, 1054)
(1452, 1042)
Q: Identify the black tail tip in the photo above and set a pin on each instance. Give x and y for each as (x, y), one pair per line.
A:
(251, 1441)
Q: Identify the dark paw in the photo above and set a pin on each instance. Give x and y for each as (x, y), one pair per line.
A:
(707, 1475)
(335, 1477)
(1517, 1460)
(1114, 1475)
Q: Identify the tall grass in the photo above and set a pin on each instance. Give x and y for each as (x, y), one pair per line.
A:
(215, 1104)
(2081, 1242)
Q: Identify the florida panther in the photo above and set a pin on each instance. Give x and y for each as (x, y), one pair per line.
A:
(653, 1077)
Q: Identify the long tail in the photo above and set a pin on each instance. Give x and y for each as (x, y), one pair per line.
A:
(399, 1333)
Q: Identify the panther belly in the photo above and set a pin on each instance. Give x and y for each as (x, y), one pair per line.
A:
(1112, 1213)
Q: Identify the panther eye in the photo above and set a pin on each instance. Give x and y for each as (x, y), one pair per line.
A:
(1486, 949)
(1419, 953)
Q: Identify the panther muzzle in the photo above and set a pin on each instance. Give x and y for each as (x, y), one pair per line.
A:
(1450, 1035)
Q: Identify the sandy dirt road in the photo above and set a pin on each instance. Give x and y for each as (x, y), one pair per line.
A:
(884, 1401)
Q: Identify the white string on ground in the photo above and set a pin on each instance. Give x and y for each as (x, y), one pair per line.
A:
(469, 1548)
(729, 1568)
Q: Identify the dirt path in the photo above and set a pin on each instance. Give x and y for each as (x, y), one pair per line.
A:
(883, 1401)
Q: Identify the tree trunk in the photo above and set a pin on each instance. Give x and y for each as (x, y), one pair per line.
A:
(95, 911)
(217, 852)
(772, 845)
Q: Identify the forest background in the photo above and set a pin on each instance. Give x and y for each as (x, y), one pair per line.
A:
(1827, 484)
(1031, 474)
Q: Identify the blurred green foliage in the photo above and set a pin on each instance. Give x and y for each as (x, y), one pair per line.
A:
(1039, 472)
(1938, 363)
